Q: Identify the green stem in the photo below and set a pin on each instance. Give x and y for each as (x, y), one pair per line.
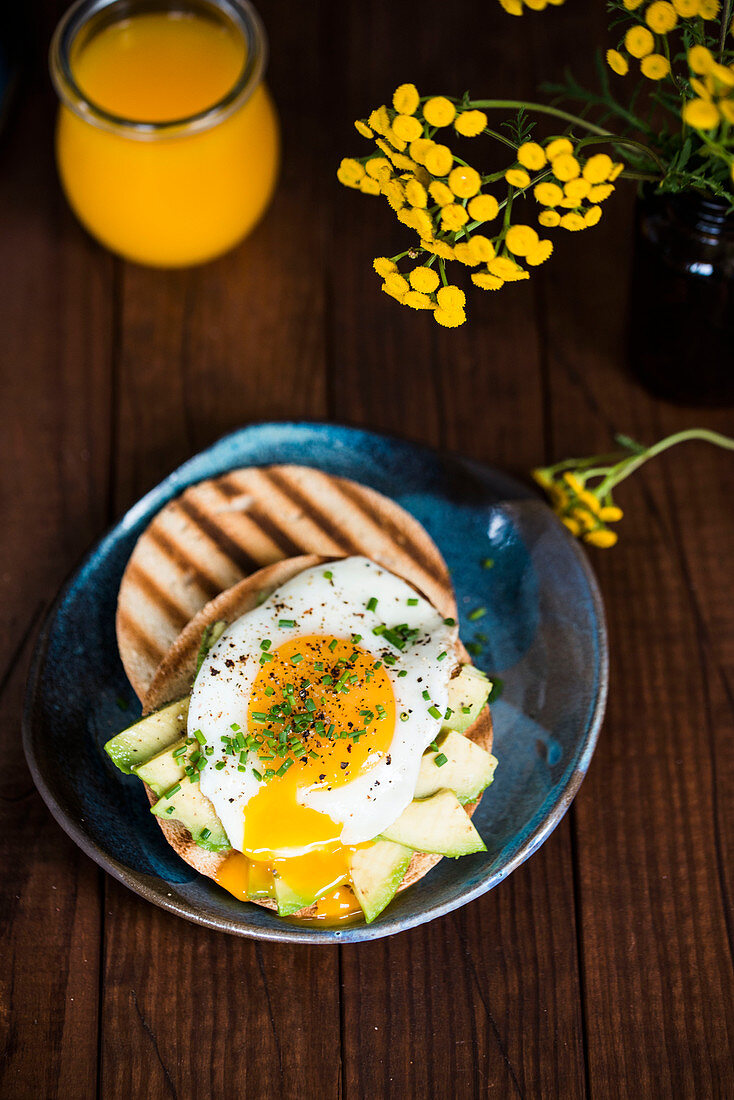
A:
(725, 21)
(629, 465)
(516, 105)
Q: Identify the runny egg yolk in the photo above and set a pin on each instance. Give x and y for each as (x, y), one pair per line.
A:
(323, 710)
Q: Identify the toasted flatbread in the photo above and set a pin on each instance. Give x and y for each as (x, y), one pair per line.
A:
(175, 676)
(222, 530)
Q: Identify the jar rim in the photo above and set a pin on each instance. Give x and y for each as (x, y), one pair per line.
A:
(78, 16)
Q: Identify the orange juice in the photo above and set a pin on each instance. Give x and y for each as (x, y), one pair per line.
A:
(167, 140)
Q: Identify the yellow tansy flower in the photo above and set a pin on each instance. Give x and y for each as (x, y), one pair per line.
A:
(700, 60)
(451, 298)
(440, 193)
(405, 99)
(572, 222)
(720, 78)
(700, 115)
(419, 148)
(639, 41)
(577, 189)
(377, 167)
(566, 167)
(655, 66)
(394, 193)
(384, 267)
(632, 5)
(549, 218)
(660, 17)
(687, 9)
(416, 194)
(521, 239)
(422, 223)
(601, 192)
(610, 513)
(617, 169)
(517, 177)
(709, 9)
(379, 120)
(396, 286)
(726, 106)
(464, 181)
(439, 160)
(597, 168)
(482, 246)
(548, 194)
(531, 155)
(505, 268)
(407, 128)
(512, 7)
(450, 318)
(559, 147)
(465, 253)
(368, 186)
(350, 172)
(363, 129)
(617, 62)
(485, 281)
(424, 279)
(592, 215)
(470, 123)
(416, 300)
(439, 248)
(483, 208)
(439, 111)
(539, 254)
(453, 217)
(601, 538)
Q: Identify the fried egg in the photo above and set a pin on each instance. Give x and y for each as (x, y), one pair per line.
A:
(315, 709)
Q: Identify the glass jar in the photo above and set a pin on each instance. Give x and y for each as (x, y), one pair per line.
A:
(160, 160)
(682, 306)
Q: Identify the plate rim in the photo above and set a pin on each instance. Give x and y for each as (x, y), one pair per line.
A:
(292, 932)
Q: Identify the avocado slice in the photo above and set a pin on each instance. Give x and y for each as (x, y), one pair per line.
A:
(468, 693)
(376, 873)
(467, 769)
(185, 803)
(437, 824)
(148, 736)
(289, 901)
(167, 767)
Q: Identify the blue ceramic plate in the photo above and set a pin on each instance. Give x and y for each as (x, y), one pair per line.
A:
(545, 637)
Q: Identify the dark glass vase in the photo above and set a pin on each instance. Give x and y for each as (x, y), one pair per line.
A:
(682, 306)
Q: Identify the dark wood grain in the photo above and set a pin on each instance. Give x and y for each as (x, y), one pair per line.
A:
(603, 966)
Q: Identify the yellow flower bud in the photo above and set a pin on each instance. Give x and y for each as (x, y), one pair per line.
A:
(504, 268)
(384, 267)
(464, 181)
(521, 239)
(661, 17)
(439, 248)
(424, 279)
(577, 189)
(416, 194)
(439, 111)
(597, 168)
(440, 193)
(601, 192)
(470, 123)
(449, 318)
(407, 128)
(548, 194)
(453, 217)
(531, 155)
(485, 281)
(639, 42)
(396, 286)
(439, 160)
(538, 255)
(483, 208)
(549, 218)
(350, 172)
(700, 59)
(419, 148)
(655, 66)
(610, 513)
(558, 147)
(566, 167)
(405, 99)
(592, 216)
(517, 177)
(572, 222)
(416, 300)
(601, 538)
(617, 62)
(451, 298)
(378, 167)
(369, 186)
(700, 115)
(379, 120)
(363, 129)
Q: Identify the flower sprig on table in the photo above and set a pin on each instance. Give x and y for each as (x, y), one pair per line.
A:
(580, 489)
(483, 220)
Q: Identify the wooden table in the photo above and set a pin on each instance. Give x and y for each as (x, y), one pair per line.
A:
(603, 966)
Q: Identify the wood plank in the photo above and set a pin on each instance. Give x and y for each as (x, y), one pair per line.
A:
(55, 322)
(186, 1011)
(477, 1000)
(652, 822)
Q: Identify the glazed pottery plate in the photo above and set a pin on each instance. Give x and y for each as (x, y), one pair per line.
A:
(543, 634)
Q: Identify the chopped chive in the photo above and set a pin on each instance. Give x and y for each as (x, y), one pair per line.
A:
(440, 760)
(268, 690)
(372, 603)
(447, 714)
(234, 727)
(380, 629)
(389, 659)
(265, 658)
(172, 790)
(330, 731)
(403, 672)
(356, 638)
(442, 655)
(412, 602)
(487, 563)
(404, 716)
(310, 705)
(434, 712)
(205, 834)
(474, 649)
(200, 737)
(433, 746)
(313, 755)
(180, 751)
(327, 679)
(284, 767)
(265, 643)
(426, 694)
(466, 710)
(477, 613)
(328, 574)
(449, 622)
(259, 715)
(319, 666)
(286, 623)
(354, 656)
(296, 658)
(257, 775)
(169, 810)
(219, 765)
(377, 664)
(333, 644)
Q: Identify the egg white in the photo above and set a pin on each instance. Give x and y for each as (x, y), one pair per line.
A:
(334, 606)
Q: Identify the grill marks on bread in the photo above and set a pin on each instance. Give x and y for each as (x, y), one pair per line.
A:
(222, 530)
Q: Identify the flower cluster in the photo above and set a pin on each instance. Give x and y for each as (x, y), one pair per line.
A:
(580, 489)
(516, 7)
(713, 85)
(451, 208)
(646, 40)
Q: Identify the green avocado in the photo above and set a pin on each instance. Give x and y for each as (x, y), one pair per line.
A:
(376, 873)
(290, 901)
(438, 824)
(466, 769)
(468, 693)
(148, 736)
(185, 803)
(166, 768)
